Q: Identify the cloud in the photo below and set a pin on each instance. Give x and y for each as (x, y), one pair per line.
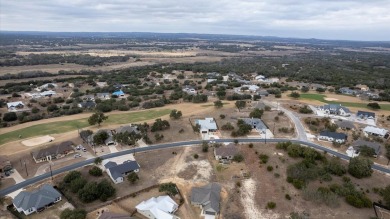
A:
(327, 19)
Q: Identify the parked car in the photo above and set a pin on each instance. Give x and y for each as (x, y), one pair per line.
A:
(79, 147)
(77, 155)
(84, 150)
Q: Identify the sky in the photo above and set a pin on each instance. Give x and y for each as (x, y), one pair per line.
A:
(367, 20)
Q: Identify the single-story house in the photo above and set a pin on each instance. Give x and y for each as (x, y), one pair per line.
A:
(335, 109)
(101, 84)
(207, 198)
(189, 90)
(14, 106)
(354, 149)
(332, 136)
(375, 131)
(161, 207)
(259, 105)
(256, 124)
(89, 97)
(103, 96)
(211, 80)
(225, 152)
(48, 86)
(263, 93)
(251, 88)
(127, 128)
(362, 87)
(36, 201)
(260, 77)
(119, 93)
(109, 141)
(345, 124)
(5, 164)
(53, 152)
(112, 215)
(365, 115)
(347, 91)
(87, 105)
(207, 125)
(118, 172)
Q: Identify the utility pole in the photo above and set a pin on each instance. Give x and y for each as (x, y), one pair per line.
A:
(25, 166)
(21, 165)
(265, 136)
(51, 173)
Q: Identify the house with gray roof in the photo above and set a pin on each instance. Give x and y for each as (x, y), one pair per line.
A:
(345, 124)
(335, 109)
(354, 149)
(363, 115)
(332, 136)
(87, 105)
(207, 198)
(256, 123)
(53, 152)
(103, 96)
(128, 129)
(207, 126)
(118, 172)
(225, 152)
(36, 201)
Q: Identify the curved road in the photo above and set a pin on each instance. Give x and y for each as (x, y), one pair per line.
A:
(36, 179)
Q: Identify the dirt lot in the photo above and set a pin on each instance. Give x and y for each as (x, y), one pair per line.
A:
(275, 124)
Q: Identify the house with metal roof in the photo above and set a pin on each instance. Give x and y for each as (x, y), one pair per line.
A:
(363, 115)
(161, 207)
(128, 129)
(345, 124)
(119, 93)
(207, 125)
(354, 149)
(332, 136)
(15, 106)
(36, 201)
(335, 109)
(118, 172)
(207, 198)
(375, 131)
(53, 152)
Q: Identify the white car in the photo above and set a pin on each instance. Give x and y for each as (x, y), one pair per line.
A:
(77, 155)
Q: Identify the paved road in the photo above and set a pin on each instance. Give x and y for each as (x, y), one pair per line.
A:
(295, 119)
(36, 179)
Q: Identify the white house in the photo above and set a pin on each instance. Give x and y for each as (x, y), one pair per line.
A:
(335, 109)
(332, 137)
(211, 80)
(375, 131)
(251, 88)
(161, 207)
(48, 93)
(14, 106)
(260, 77)
(117, 172)
(103, 96)
(36, 201)
(189, 90)
(207, 126)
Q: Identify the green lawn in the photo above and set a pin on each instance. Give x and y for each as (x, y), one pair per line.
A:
(320, 97)
(66, 126)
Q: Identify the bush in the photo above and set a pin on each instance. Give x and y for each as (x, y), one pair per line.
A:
(360, 167)
(71, 176)
(288, 197)
(270, 168)
(160, 125)
(250, 145)
(196, 156)
(9, 117)
(169, 188)
(271, 205)
(205, 147)
(132, 177)
(73, 214)
(227, 127)
(263, 158)
(238, 158)
(222, 116)
(95, 171)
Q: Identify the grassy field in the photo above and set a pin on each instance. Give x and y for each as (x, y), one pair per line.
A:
(321, 97)
(66, 126)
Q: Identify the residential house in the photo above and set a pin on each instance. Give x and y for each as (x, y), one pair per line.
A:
(189, 90)
(119, 93)
(15, 106)
(161, 207)
(335, 109)
(260, 78)
(213, 75)
(365, 115)
(47, 86)
(48, 93)
(5, 164)
(87, 105)
(347, 91)
(317, 86)
(118, 172)
(345, 124)
(36, 201)
(53, 152)
(362, 87)
(263, 93)
(259, 105)
(112, 215)
(101, 84)
(225, 152)
(354, 149)
(211, 80)
(332, 137)
(256, 123)
(127, 128)
(207, 126)
(225, 78)
(109, 141)
(207, 198)
(375, 131)
(103, 96)
(251, 88)
(89, 97)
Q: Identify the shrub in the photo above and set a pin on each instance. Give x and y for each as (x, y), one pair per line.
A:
(288, 197)
(196, 156)
(71, 176)
(9, 117)
(222, 116)
(95, 171)
(271, 205)
(270, 168)
(238, 184)
(238, 158)
(73, 214)
(263, 158)
(227, 127)
(205, 147)
(250, 145)
(169, 188)
(360, 167)
(132, 177)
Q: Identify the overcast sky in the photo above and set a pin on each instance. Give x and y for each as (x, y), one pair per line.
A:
(323, 19)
